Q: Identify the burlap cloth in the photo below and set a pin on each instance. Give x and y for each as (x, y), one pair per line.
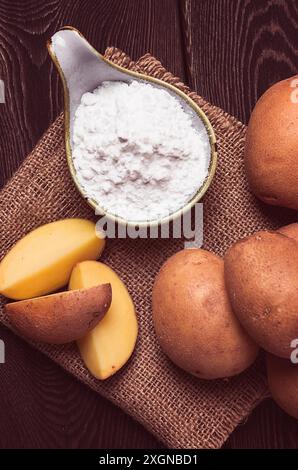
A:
(180, 410)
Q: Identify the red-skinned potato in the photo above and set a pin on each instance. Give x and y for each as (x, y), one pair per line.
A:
(261, 273)
(271, 146)
(283, 383)
(193, 319)
(62, 317)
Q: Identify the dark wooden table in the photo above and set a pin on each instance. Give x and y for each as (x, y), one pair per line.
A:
(229, 51)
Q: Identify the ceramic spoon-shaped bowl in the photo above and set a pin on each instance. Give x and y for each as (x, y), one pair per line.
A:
(83, 69)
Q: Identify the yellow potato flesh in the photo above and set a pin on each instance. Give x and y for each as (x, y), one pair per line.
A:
(110, 344)
(42, 261)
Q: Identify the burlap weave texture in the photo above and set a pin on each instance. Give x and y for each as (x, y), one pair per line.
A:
(181, 410)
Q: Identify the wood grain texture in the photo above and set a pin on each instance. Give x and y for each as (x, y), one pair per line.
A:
(268, 427)
(33, 88)
(44, 407)
(230, 51)
(51, 408)
(236, 49)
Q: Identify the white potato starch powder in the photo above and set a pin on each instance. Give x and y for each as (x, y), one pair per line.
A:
(136, 151)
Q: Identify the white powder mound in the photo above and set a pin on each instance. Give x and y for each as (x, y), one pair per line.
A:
(136, 151)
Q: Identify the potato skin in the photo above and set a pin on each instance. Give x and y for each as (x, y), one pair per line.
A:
(261, 273)
(271, 147)
(290, 230)
(62, 317)
(283, 383)
(193, 319)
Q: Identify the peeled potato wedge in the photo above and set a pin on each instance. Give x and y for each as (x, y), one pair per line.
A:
(62, 317)
(107, 347)
(41, 262)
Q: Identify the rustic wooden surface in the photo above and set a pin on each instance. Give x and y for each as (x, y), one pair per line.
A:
(229, 51)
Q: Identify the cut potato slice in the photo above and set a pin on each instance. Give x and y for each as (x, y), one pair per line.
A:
(109, 345)
(62, 317)
(42, 261)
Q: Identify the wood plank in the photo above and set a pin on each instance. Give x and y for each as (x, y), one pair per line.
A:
(268, 427)
(33, 89)
(45, 406)
(235, 49)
